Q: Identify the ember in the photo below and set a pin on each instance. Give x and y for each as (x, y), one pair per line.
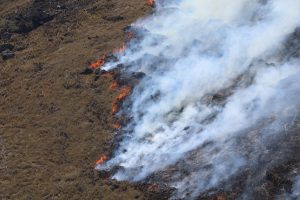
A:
(98, 63)
(115, 108)
(129, 35)
(124, 93)
(116, 125)
(102, 159)
(150, 2)
(120, 49)
(113, 86)
(221, 198)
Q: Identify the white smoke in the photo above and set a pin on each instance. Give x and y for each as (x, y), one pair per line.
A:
(190, 51)
(296, 188)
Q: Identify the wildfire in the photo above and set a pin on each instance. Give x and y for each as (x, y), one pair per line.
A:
(120, 49)
(101, 61)
(124, 93)
(113, 86)
(102, 159)
(129, 35)
(98, 63)
(221, 198)
(115, 108)
(150, 2)
(116, 125)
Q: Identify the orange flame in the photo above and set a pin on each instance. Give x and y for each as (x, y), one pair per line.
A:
(113, 86)
(129, 35)
(124, 93)
(120, 49)
(116, 125)
(115, 107)
(150, 2)
(98, 63)
(221, 198)
(102, 159)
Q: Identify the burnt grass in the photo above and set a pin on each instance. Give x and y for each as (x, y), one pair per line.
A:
(55, 122)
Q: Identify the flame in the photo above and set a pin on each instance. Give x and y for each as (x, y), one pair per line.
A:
(124, 93)
(102, 159)
(129, 35)
(113, 86)
(221, 198)
(116, 125)
(98, 63)
(115, 107)
(120, 49)
(150, 2)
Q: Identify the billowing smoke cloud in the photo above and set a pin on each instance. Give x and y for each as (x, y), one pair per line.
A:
(218, 85)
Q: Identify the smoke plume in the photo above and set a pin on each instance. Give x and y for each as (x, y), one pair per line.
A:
(220, 86)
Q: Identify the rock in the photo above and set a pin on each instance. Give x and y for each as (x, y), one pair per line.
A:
(7, 54)
(4, 47)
